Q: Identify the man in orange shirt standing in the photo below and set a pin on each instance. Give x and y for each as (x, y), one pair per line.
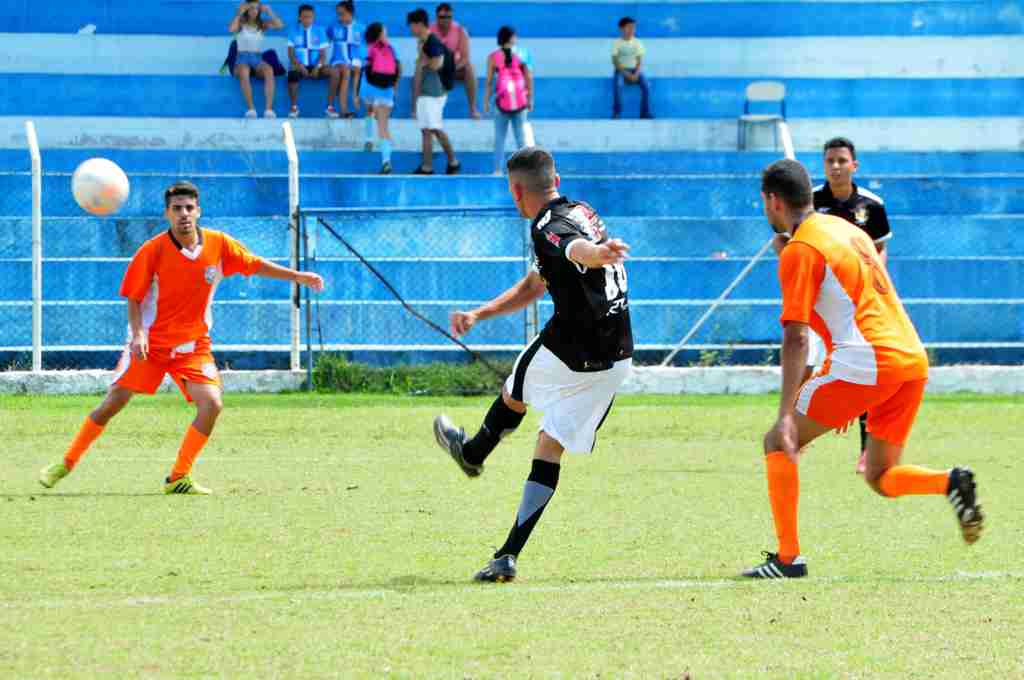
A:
(170, 285)
(834, 282)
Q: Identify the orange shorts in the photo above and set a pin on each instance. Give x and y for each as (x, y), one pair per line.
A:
(144, 377)
(891, 408)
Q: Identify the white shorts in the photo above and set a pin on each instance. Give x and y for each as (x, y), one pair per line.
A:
(815, 349)
(430, 112)
(574, 404)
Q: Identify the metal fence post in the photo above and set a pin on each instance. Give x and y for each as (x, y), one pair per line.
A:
(37, 246)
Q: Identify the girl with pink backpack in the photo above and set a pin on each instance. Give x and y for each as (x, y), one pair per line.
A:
(513, 94)
(381, 73)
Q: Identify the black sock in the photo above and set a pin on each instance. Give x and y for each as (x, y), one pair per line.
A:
(864, 432)
(540, 487)
(499, 421)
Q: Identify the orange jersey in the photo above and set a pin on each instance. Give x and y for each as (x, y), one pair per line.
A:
(175, 286)
(832, 279)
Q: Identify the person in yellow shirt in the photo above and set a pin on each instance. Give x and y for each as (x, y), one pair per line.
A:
(627, 57)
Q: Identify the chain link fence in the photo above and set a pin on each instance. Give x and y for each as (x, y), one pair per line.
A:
(437, 259)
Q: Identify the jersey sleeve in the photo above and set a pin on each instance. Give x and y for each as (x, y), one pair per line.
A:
(801, 272)
(878, 224)
(553, 238)
(139, 276)
(235, 258)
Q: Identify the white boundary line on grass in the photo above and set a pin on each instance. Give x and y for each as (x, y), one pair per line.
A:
(405, 591)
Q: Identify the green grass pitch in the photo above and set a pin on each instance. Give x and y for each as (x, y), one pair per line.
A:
(341, 543)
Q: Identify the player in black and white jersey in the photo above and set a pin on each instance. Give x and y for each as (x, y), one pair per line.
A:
(840, 196)
(572, 370)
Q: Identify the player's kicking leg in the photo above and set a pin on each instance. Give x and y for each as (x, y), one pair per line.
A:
(501, 420)
(207, 398)
(89, 431)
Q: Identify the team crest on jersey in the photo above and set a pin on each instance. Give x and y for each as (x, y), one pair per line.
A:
(553, 239)
(584, 217)
(210, 274)
(861, 215)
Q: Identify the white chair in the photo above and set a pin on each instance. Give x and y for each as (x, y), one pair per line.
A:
(761, 92)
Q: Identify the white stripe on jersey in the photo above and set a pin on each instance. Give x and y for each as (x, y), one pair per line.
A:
(868, 194)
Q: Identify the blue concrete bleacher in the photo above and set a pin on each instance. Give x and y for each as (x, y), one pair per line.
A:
(179, 97)
(692, 216)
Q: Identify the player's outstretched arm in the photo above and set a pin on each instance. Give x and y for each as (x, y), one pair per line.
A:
(531, 287)
(272, 271)
(594, 256)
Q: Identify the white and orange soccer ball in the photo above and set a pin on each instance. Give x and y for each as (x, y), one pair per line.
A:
(100, 186)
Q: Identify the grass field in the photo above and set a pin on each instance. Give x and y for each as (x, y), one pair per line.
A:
(341, 542)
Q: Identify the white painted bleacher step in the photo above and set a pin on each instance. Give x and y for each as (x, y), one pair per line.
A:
(832, 57)
(872, 134)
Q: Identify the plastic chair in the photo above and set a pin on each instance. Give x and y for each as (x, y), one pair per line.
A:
(761, 92)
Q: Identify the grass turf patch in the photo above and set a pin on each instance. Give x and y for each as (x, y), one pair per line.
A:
(341, 542)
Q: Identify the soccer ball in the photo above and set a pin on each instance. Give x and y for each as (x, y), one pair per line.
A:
(99, 186)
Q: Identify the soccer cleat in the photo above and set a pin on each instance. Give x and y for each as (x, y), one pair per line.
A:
(51, 474)
(499, 570)
(451, 439)
(774, 568)
(185, 485)
(962, 495)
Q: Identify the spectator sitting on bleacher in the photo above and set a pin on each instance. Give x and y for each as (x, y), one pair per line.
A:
(513, 94)
(248, 26)
(627, 57)
(456, 38)
(308, 49)
(347, 59)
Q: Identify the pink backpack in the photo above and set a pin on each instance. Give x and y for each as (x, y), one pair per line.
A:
(511, 86)
(382, 67)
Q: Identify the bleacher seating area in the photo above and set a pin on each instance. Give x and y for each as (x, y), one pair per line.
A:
(932, 92)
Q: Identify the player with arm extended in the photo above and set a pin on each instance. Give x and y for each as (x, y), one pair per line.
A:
(833, 282)
(170, 285)
(572, 370)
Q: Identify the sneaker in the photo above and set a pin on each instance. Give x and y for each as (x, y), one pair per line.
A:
(453, 168)
(421, 171)
(773, 568)
(368, 146)
(331, 113)
(51, 474)
(348, 115)
(862, 462)
(185, 485)
(251, 113)
(294, 113)
(499, 570)
(385, 168)
(451, 440)
(269, 114)
(962, 494)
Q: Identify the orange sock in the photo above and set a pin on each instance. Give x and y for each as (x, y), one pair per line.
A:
(190, 447)
(784, 494)
(913, 480)
(87, 434)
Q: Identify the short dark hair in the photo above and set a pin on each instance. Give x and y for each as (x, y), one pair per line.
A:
(442, 7)
(841, 143)
(373, 32)
(348, 5)
(626, 21)
(417, 16)
(181, 188)
(536, 166)
(788, 179)
(306, 8)
(505, 34)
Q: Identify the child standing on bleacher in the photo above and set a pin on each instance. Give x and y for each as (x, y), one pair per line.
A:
(248, 26)
(383, 70)
(347, 58)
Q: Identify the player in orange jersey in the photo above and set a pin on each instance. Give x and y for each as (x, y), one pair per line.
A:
(833, 282)
(170, 285)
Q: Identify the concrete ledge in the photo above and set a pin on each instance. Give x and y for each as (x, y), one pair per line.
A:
(645, 380)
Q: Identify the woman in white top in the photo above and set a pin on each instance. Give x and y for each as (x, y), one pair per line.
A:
(248, 26)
